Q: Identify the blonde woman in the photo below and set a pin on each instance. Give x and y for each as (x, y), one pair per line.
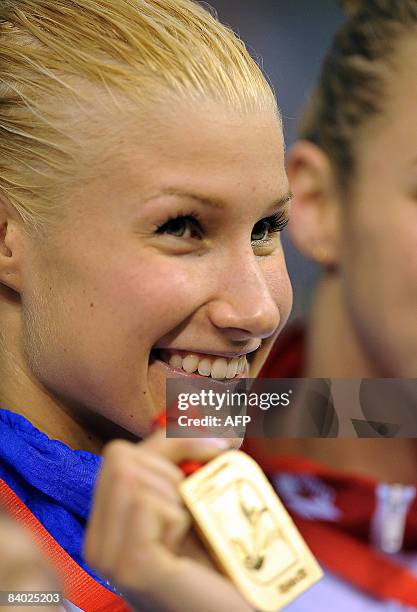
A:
(142, 192)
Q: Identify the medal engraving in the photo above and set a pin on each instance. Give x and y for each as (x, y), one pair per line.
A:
(248, 531)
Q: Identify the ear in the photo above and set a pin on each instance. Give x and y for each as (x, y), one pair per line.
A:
(315, 225)
(11, 246)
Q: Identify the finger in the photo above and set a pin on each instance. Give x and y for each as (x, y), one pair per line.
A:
(117, 468)
(157, 464)
(179, 449)
(159, 486)
(126, 467)
(122, 483)
(115, 481)
(172, 524)
(152, 531)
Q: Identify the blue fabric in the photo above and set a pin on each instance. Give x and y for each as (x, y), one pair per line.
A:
(55, 482)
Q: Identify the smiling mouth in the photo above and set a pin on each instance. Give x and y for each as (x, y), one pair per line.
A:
(204, 365)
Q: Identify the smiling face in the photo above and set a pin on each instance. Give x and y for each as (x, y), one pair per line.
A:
(170, 246)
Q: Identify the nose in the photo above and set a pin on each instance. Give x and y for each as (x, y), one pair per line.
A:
(245, 303)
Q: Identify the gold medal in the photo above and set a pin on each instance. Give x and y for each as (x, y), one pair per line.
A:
(249, 533)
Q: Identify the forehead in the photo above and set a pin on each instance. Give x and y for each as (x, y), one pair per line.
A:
(388, 149)
(207, 148)
(399, 104)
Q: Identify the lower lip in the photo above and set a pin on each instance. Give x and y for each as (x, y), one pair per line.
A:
(177, 373)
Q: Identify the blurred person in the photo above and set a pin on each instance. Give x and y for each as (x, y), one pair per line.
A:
(353, 174)
(23, 567)
(142, 195)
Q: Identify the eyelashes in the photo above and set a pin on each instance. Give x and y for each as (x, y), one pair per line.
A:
(177, 225)
(277, 222)
(177, 222)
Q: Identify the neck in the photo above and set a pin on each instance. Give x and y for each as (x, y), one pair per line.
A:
(21, 394)
(335, 351)
(58, 419)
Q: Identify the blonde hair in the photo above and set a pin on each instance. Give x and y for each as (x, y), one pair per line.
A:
(61, 60)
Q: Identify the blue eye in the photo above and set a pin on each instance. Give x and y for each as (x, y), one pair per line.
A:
(189, 226)
(270, 225)
(177, 226)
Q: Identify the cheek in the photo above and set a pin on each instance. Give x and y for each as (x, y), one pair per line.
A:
(154, 298)
(381, 288)
(95, 311)
(380, 258)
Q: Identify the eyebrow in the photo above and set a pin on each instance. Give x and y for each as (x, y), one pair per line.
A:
(280, 202)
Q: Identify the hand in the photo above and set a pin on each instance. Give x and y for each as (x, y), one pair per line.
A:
(139, 535)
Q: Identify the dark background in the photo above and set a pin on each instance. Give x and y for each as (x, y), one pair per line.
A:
(290, 37)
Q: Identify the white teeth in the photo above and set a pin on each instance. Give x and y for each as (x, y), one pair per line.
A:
(216, 367)
(175, 361)
(204, 367)
(241, 365)
(190, 363)
(219, 368)
(232, 368)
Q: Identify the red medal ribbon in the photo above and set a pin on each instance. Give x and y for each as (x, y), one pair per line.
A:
(79, 587)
